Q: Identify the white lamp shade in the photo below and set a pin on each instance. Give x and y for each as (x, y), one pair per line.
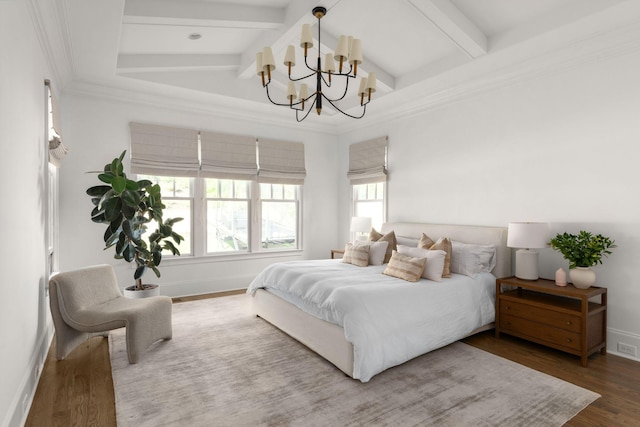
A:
(360, 224)
(304, 91)
(342, 50)
(291, 90)
(306, 40)
(290, 56)
(363, 85)
(329, 65)
(355, 55)
(371, 82)
(267, 59)
(528, 235)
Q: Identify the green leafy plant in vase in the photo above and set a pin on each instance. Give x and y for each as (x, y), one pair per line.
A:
(127, 207)
(583, 251)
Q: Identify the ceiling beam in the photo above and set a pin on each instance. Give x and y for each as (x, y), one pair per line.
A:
(176, 62)
(297, 13)
(178, 12)
(454, 25)
(386, 82)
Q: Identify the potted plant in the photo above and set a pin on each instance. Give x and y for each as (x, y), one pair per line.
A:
(127, 207)
(583, 251)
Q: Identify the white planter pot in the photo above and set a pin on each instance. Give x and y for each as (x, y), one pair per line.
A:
(148, 291)
(582, 277)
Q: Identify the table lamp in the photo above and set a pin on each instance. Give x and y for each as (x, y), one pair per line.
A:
(527, 236)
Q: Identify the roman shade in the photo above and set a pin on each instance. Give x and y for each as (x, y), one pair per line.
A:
(281, 162)
(368, 161)
(228, 156)
(161, 150)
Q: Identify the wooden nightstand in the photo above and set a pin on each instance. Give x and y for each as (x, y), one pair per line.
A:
(335, 252)
(555, 316)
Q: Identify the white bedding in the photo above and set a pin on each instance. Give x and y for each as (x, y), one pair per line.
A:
(388, 320)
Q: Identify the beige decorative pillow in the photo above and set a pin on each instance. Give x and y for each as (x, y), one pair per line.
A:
(390, 237)
(405, 267)
(444, 244)
(435, 261)
(425, 242)
(356, 254)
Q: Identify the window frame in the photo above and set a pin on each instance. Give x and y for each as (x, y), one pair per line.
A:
(297, 203)
(199, 225)
(355, 201)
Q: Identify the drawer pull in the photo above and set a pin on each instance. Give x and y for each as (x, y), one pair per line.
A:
(568, 322)
(568, 339)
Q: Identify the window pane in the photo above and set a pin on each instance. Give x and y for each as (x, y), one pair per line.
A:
(368, 201)
(279, 225)
(242, 189)
(226, 189)
(170, 186)
(277, 192)
(212, 187)
(180, 209)
(265, 191)
(373, 210)
(227, 225)
(371, 191)
(290, 192)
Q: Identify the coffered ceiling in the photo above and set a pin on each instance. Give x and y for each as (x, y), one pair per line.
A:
(204, 50)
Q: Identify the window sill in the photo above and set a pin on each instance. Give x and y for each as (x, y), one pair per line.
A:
(244, 256)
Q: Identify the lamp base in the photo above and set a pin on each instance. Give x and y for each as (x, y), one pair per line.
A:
(527, 264)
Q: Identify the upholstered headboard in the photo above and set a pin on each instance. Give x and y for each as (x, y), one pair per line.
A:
(478, 235)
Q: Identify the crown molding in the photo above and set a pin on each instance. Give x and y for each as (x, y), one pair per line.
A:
(47, 18)
(206, 104)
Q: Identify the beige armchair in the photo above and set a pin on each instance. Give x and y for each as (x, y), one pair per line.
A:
(87, 302)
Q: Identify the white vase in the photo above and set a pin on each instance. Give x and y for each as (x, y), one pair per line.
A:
(148, 291)
(582, 277)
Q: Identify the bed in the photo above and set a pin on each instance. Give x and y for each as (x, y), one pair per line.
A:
(358, 320)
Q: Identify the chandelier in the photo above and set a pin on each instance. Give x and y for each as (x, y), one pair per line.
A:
(348, 54)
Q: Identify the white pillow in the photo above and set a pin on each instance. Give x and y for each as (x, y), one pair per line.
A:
(435, 260)
(377, 250)
(471, 259)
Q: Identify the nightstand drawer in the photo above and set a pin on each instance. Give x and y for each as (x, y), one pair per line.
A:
(540, 332)
(540, 315)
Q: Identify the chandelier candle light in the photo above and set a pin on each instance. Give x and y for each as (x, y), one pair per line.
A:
(348, 53)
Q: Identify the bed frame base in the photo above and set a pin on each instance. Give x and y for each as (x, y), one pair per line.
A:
(326, 339)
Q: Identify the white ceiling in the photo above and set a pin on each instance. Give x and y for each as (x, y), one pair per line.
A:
(418, 48)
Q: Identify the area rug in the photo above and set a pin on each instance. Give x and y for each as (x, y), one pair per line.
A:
(226, 367)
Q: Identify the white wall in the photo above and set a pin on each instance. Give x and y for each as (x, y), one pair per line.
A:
(562, 149)
(97, 130)
(24, 311)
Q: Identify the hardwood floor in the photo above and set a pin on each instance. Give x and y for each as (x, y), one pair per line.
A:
(78, 391)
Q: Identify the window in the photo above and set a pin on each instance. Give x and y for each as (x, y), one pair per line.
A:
(177, 196)
(227, 211)
(279, 208)
(244, 196)
(228, 204)
(369, 201)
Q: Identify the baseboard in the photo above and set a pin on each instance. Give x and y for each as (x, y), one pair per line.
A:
(21, 404)
(616, 337)
(200, 287)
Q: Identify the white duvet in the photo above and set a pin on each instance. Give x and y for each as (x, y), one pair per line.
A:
(388, 320)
